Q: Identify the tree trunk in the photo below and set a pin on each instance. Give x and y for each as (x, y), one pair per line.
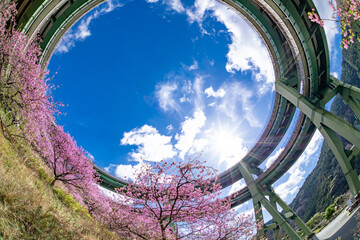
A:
(163, 233)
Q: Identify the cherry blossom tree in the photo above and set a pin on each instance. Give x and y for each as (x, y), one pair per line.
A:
(177, 200)
(67, 161)
(24, 90)
(167, 200)
(7, 13)
(26, 104)
(347, 13)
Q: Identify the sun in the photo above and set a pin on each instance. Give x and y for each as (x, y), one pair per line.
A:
(226, 144)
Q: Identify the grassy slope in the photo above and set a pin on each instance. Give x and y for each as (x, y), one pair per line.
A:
(30, 208)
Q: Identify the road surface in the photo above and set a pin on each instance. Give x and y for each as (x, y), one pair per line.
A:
(342, 226)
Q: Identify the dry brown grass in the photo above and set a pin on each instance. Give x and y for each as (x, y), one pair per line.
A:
(30, 208)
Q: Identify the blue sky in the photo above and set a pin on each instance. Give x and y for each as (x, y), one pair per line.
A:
(152, 80)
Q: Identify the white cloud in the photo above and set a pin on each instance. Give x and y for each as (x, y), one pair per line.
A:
(127, 171)
(66, 43)
(189, 129)
(237, 186)
(246, 52)
(124, 171)
(194, 66)
(187, 87)
(218, 94)
(212, 104)
(152, 146)
(291, 186)
(108, 168)
(335, 74)
(330, 27)
(199, 145)
(184, 99)
(90, 156)
(82, 31)
(169, 127)
(297, 172)
(273, 158)
(198, 88)
(237, 94)
(221, 146)
(164, 94)
(176, 5)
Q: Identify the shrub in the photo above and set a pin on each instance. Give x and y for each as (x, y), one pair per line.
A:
(315, 220)
(69, 201)
(329, 211)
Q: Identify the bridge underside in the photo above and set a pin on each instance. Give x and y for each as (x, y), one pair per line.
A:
(299, 53)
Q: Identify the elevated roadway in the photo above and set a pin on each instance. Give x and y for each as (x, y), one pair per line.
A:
(300, 58)
(297, 47)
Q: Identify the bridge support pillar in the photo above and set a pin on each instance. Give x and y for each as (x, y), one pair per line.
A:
(351, 96)
(259, 194)
(276, 229)
(331, 125)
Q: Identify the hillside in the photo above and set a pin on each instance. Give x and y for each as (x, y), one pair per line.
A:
(30, 208)
(326, 181)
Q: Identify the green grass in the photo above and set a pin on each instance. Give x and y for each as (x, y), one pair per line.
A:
(30, 208)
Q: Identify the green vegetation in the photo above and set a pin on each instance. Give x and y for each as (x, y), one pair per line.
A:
(329, 211)
(30, 208)
(322, 219)
(69, 201)
(316, 220)
(327, 181)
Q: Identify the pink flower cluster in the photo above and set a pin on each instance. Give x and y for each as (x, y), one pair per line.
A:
(314, 17)
(26, 103)
(177, 200)
(347, 14)
(170, 200)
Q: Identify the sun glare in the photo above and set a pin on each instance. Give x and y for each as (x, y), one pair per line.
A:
(227, 144)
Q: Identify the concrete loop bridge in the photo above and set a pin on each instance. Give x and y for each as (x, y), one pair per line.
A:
(300, 57)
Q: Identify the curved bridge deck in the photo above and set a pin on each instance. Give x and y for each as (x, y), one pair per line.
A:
(299, 53)
(300, 57)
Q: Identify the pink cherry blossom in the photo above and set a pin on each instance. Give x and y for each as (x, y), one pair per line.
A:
(347, 14)
(175, 200)
(178, 200)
